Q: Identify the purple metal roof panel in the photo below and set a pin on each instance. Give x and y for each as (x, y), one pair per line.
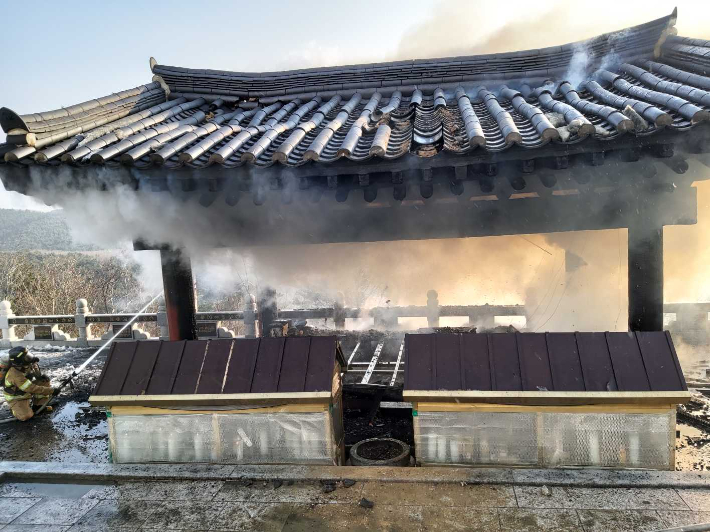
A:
(506, 362)
(117, 366)
(190, 367)
(224, 366)
(596, 362)
(447, 360)
(419, 366)
(563, 362)
(268, 365)
(241, 366)
(475, 363)
(629, 368)
(214, 366)
(103, 370)
(141, 368)
(534, 362)
(658, 361)
(166, 368)
(294, 367)
(321, 363)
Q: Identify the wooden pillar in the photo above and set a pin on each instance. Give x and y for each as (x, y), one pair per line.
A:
(268, 310)
(339, 311)
(646, 273)
(432, 308)
(179, 294)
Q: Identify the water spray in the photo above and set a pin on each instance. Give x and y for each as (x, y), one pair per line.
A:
(88, 361)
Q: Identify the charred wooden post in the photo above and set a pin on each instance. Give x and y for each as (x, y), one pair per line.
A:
(162, 320)
(399, 189)
(179, 293)
(432, 312)
(426, 187)
(268, 310)
(339, 311)
(645, 272)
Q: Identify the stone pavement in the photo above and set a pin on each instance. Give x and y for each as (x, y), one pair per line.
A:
(268, 505)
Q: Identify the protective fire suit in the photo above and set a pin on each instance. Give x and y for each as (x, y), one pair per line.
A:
(22, 394)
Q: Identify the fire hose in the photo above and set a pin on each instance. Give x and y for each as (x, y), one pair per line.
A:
(88, 361)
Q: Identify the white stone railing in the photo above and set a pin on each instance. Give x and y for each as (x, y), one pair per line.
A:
(49, 329)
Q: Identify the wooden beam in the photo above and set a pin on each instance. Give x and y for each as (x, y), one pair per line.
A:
(443, 216)
(271, 399)
(645, 270)
(547, 398)
(569, 409)
(155, 411)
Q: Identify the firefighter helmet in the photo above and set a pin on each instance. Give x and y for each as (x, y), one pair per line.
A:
(19, 356)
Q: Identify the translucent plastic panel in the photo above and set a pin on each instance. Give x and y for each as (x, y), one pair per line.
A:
(179, 438)
(276, 438)
(476, 438)
(608, 440)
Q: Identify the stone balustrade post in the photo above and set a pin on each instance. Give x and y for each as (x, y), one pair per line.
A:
(83, 328)
(432, 311)
(162, 320)
(8, 331)
(249, 316)
(339, 311)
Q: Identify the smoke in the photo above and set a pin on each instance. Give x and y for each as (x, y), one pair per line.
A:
(568, 281)
(493, 270)
(14, 200)
(579, 66)
(460, 27)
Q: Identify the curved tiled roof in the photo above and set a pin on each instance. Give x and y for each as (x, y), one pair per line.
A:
(637, 81)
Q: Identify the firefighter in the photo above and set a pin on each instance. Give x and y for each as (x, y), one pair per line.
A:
(26, 389)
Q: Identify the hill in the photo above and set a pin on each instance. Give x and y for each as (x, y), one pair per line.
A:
(32, 230)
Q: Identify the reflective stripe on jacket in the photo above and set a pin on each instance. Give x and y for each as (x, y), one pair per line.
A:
(18, 386)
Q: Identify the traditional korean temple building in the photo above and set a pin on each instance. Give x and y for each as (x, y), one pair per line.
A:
(522, 142)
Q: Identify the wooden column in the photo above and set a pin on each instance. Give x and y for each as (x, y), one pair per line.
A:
(179, 293)
(646, 273)
(268, 310)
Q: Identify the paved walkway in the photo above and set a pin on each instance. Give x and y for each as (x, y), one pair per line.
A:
(267, 505)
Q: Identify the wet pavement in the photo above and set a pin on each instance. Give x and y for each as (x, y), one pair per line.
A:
(300, 505)
(73, 432)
